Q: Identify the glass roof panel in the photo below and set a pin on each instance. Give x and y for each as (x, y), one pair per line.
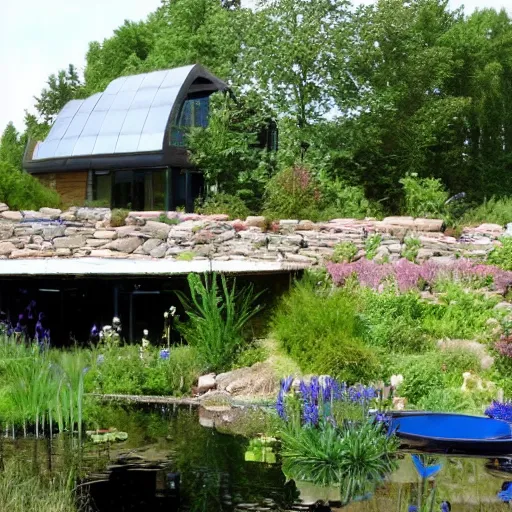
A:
(66, 146)
(144, 98)
(47, 149)
(84, 146)
(77, 125)
(156, 121)
(151, 142)
(105, 102)
(94, 123)
(165, 96)
(132, 83)
(59, 128)
(105, 144)
(134, 121)
(123, 100)
(115, 86)
(154, 79)
(127, 144)
(113, 122)
(89, 104)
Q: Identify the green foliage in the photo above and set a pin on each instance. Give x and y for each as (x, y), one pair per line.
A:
(371, 245)
(495, 210)
(412, 248)
(61, 89)
(166, 220)
(424, 197)
(124, 372)
(224, 203)
(23, 490)
(502, 256)
(320, 330)
(118, 217)
(217, 316)
(186, 256)
(250, 356)
(449, 400)
(12, 147)
(344, 252)
(355, 458)
(21, 191)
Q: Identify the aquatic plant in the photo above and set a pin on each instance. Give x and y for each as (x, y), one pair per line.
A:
(217, 314)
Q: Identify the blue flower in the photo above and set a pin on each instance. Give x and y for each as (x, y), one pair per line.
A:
(445, 506)
(327, 389)
(164, 353)
(94, 330)
(280, 406)
(310, 414)
(286, 384)
(412, 508)
(500, 411)
(314, 387)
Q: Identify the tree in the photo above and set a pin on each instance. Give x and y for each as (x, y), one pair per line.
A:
(62, 87)
(12, 147)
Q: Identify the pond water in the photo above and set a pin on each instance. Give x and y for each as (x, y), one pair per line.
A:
(184, 459)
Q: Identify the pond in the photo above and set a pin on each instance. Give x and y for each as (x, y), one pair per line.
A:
(182, 458)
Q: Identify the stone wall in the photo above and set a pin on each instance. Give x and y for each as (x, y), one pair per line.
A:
(86, 232)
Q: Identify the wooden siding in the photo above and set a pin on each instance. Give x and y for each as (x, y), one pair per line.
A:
(71, 186)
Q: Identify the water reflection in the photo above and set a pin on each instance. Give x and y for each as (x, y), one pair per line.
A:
(216, 469)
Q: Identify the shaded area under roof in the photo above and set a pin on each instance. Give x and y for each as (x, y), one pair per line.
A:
(131, 117)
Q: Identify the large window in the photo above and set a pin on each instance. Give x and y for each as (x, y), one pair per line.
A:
(134, 190)
(193, 113)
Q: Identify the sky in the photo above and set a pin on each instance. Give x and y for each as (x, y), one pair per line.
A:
(38, 38)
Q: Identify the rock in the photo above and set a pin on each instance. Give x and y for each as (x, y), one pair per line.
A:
(15, 216)
(68, 216)
(508, 231)
(495, 229)
(504, 306)
(159, 252)
(105, 235)
(24, 253)
(96, 242)
(424, 254)
(395, 248)
(6, 248)
(151, 244)
(432, 225)
(124, 231)
(288, 223)
(3, 207)
(102, 253)
(306, 225)
(31, 214)
(217, 217)
(51, 232)
(157, 229)
(50, 213)
(226, 236)
(6, 230)
(256, 222)
(79, 231)
(92, 214)
(126, 245)
(69, 242)
(63, 252)
(382, 254)
(205, 383)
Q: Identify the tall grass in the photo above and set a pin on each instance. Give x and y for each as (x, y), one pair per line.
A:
(217, 314)
(495, 211)
(43, 387)
(23, 491)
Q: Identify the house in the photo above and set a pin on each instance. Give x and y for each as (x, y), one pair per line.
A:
(125, 147)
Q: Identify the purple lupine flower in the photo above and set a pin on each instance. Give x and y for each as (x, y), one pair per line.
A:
(286, 384)
(327, 389)
(164, 354)
(500, 411)
(280, 406)
(94, 330)
(304, 390)
(314, 389)
(310, 414)
(445, 506)
(412, 508)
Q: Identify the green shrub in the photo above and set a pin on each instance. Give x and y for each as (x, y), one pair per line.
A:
(424, 197)
(118, 217)
(502, 256)
(320, 330)
(495, 210)
(344, 252)
(447, 400)
(186, 256)
(393, 321)
(21, 191)
(227, 204)
(371, 245)
(217, 316)
(412, 248)
(250, 356)
(166, 220)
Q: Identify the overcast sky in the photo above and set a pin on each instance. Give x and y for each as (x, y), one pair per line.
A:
(38, 38)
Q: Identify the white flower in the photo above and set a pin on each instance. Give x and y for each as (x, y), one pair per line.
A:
(166, 314)
(396, 380)
(172, 310)
(107, 329)
(145, 332)
(116, 320)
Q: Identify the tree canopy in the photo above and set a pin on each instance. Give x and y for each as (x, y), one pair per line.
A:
(364, 96)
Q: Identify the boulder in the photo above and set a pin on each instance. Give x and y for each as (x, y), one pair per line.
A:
(256, 221)
(50, 213)
(151, 244)
(3, 207)
(431, 225)
(205, 383)
(126, 245)
(157, 229)
(159, 252)
(14, 216)
(69, 242)
(63, 252)
(6, 248)
(51, 232)
(105, 234)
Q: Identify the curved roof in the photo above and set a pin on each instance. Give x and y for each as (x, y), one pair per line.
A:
(130, 116)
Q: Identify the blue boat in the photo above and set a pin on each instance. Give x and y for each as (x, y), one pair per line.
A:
(452, 433)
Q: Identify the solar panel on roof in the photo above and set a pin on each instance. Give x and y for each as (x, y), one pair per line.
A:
(131, 115)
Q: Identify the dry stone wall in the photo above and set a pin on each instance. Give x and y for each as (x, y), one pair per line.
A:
(87, 232)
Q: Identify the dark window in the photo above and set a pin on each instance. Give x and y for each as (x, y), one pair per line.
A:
(102, 187)
(193, 113)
